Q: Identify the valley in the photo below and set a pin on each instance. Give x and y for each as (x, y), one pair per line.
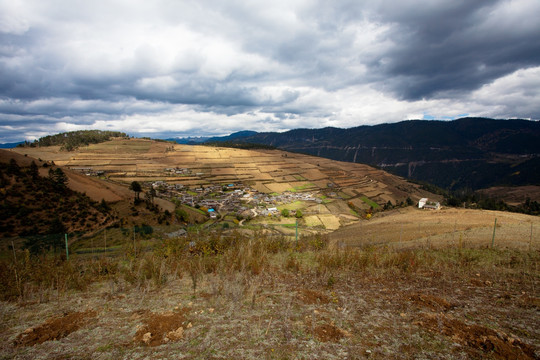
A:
(362, 280)
(200, 175)
(466, 154)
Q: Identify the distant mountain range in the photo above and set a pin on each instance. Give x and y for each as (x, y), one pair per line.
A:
(205, 139)
(468, 153)
(10, 145)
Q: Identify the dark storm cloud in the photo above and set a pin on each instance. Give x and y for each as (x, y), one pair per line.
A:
(457, 46)
(214, 66)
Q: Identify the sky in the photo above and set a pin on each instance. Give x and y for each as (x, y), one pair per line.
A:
(177, 68)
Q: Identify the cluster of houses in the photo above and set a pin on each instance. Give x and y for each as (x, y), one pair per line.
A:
(228, 198)
(178, 171)
(88, 171)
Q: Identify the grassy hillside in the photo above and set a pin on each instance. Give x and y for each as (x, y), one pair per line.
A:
(253, 296)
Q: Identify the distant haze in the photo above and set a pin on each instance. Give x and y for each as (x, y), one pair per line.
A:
(171, 68)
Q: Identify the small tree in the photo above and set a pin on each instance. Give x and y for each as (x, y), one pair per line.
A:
(136, 188)
(298, 214)
(285, 213)
(182, 215)
(388, 205)
(34, 172)
(58, 177)
(13, 167)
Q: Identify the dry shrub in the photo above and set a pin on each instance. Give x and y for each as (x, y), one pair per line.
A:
(32, 276)
(314, 242)
(409, 261)
(276, 244)
(405, 261)
(347, 259)
(248, 255)
(140, 271)
(292, 263)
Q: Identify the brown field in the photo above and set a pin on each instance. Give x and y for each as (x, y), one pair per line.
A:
(412, 228)
(330, 221)
(269, 171)
(273, 171)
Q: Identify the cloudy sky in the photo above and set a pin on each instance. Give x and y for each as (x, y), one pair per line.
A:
(165, 68)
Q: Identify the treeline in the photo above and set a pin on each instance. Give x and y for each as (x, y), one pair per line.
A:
(240, 145)
(476, 200)
(480, 201)
(74, 139)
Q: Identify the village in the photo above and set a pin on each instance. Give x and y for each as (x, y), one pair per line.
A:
(217, 200)
(237, 201)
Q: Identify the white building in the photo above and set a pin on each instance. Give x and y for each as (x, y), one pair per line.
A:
(424, 203)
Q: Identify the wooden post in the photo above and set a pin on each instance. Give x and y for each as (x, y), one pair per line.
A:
(530, 239)
(454, 233)
(67, 251)
(296, 234)
(493, 237)
(14, 254)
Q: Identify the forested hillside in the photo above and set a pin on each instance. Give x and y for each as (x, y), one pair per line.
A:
(72, 140)
(32, 204)
(469, 153)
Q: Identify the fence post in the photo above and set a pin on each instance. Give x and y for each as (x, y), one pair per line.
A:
(296, 234)
(67, 251)
(14, 254)
(493, 237)
(530, 239)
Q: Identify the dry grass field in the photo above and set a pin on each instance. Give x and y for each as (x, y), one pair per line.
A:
(412, 228)
(263, 298)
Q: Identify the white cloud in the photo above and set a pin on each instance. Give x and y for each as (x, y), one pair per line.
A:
(214, 67)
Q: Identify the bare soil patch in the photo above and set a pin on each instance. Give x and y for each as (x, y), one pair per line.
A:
(55, 328)
(162, 328)
(477, 337)
(330, 332)
(433, 302)
(312, 297)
